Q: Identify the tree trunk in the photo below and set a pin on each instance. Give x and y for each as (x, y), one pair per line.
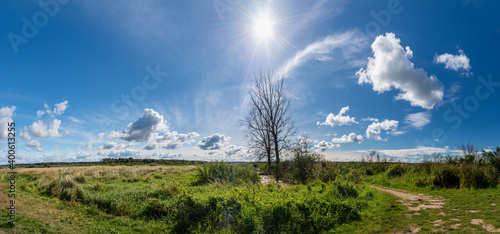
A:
(277, 152)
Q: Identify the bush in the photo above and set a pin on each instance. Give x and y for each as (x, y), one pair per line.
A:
(446, 176)
(302, 166)
(475, 176)
(395, 170)
(225, 173)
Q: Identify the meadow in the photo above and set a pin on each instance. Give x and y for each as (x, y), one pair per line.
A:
(230, 198)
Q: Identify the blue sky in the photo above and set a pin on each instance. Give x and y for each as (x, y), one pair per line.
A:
(168, 79)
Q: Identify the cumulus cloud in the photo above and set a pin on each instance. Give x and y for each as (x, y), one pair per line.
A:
(418, 120)
(58, 110)
(88, 145)
(119, 153)
(143, 129)
(232, 150)
(324, 145)
(152, 129)
(212, 142)
(45, 129)
(5, 117)
(150, 146)
(390, 67)
(351, 138)
(113, 145)
(339, 120)
(373, 130)
(35, 145)
(455, 62)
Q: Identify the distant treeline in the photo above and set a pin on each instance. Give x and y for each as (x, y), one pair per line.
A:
(113, 161)
(134, 161)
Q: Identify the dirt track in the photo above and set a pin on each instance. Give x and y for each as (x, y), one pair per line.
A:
(418, 202)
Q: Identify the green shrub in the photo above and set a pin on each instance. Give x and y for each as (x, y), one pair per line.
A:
(446, 176)
(475, 176)
(395, 170)
(225, 173)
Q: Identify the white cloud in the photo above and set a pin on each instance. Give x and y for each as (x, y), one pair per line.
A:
(350, 42)
(324, 145)
(40, 113)
(234, 150)
(60, 108)
(152, 129)
(373, 130)
(418, 120)
(5, 117)
(144, 128)
(35, 145)
(119, 153)
(25, 135)
(351, 138)
(75, 120)
(369, 119)
(42, 129)
(212, 142)
(338, 120)
(7, 111)
(390, 67)
(88, 145)
(150, 146)
(113, 145)
(454, 62)
(419, 150)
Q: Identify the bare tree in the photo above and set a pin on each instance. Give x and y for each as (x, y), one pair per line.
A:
(258, 137)
(269, 113)
(468, 149)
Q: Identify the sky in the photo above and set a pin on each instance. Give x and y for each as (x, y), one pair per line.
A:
(86, 80)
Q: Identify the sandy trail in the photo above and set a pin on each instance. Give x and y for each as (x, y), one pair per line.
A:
(417, 202)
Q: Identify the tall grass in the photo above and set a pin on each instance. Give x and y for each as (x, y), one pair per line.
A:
(235, 203)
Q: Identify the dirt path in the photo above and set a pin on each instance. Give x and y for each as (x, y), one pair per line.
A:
(419, 202)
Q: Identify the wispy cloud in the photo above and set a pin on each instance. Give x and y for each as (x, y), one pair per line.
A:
(348, 43)
(419, 150)
(418, 120)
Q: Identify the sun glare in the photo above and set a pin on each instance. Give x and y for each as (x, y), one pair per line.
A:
(263, 27)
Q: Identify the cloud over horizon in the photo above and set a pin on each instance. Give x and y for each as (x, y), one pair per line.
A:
(338, 120)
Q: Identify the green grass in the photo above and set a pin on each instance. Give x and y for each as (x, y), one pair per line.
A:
(171, 199)
(228, 198)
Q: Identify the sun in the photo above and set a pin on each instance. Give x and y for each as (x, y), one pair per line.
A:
(263, 27)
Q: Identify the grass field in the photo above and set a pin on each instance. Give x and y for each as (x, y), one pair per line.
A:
(230, 199)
